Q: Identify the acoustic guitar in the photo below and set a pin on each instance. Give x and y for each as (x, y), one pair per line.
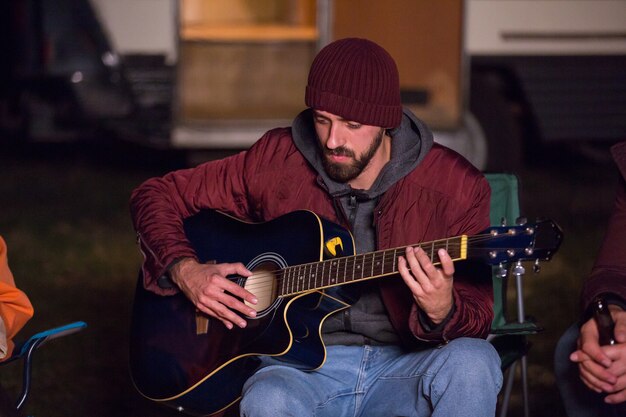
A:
(300, 264)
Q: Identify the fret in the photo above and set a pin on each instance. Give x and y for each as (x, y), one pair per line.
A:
(306, 274)
(432, 251)
(349, 269)
(389, 261)
(301, 277)
(294, 279)
(327, 273)
(358, 268)
(362, 266)
(382, 268)
(314, 274)
(300, 280)
(289, 281)
(334, 264)
(376, 264)
(286, 280)
(395, 258)
(455, 249)
(353, 259)
(344, 261)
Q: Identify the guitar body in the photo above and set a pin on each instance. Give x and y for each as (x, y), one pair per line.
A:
(200, 369)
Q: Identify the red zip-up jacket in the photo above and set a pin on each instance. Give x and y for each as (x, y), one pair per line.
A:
(608, 276)
(443, 196)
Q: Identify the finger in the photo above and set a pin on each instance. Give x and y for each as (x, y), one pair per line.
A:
(415, 266)
(239, 291)
(447, 266)
(225, 292)
(216, 301)
(239, 269)
(417, 259)
(618, 367)
(427, 268)
(620, 385)
(227, 315)
(620, 326)
(235, 304)
(616, 398)
(592, 382)
(618, 394)
(579, 356)
(215, 314)
(407, 277)
(597, 374)
(589, 343)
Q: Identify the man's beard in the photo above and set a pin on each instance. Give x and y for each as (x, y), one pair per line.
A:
(349, 171)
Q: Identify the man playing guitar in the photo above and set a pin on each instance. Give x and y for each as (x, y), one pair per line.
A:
(412, 344)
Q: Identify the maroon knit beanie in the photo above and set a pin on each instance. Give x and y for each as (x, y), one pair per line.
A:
(357, 80)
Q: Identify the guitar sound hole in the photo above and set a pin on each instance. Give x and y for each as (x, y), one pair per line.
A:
(263, 285)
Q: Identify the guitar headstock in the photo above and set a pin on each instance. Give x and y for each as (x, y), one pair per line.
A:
(527, 242)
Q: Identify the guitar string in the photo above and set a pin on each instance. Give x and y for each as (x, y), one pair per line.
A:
(269, 280)
(369, 259)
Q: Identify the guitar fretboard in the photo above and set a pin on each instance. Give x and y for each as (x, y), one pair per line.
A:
(338, 271)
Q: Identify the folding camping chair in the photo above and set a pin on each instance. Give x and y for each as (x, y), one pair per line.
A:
(26, 351)
(509, 336)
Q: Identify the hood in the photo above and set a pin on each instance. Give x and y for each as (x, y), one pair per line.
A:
(410, 143)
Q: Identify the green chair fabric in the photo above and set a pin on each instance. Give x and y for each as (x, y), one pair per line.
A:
(505, 207)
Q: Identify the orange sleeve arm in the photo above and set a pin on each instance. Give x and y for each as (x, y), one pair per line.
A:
(15, 307)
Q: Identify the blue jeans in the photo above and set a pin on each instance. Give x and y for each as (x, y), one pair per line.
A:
(578, 400)
(461, 378)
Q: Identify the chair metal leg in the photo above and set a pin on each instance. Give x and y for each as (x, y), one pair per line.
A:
(504, 407)
(524, 375)
(26, 373)
(518, 271)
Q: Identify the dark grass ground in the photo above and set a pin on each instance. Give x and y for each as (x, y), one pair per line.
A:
(64, 214)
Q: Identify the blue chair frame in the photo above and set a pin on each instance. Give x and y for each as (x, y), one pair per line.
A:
(26, 351)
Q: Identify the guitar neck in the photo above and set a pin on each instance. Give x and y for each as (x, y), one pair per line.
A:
(343, 270)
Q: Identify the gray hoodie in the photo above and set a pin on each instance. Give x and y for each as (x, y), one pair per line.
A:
(366, 322)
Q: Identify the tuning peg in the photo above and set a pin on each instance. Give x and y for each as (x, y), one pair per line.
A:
(536, 267)
(521, 221)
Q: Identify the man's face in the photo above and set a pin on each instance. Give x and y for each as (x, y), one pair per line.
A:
(341, 141)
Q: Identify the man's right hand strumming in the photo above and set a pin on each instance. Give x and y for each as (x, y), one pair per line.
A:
(208, 287)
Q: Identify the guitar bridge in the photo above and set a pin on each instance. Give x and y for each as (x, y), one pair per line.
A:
(202, 323)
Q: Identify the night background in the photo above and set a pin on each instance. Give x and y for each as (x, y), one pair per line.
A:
(81, 125)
